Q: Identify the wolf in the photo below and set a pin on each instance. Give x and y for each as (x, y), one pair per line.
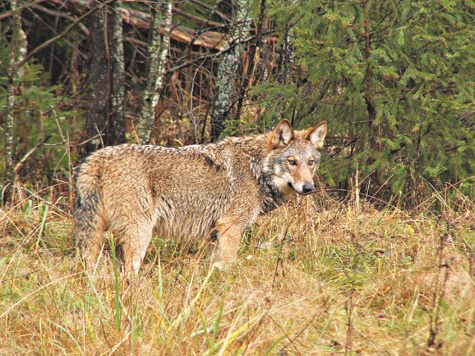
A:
(212, 191)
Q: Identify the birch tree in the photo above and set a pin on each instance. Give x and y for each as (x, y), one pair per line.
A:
(228, 68)
(117, 113)
(17, 53)
(160, 43)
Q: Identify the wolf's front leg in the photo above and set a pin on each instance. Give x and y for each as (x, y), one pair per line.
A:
(227, 234)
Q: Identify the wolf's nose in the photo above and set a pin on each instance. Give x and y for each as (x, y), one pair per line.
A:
(307, 187)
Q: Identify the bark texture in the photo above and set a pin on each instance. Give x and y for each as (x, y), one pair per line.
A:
(117, 113)
(227, 70)
(106, 78)
(96, 121)
(17, 53)
(160, 43)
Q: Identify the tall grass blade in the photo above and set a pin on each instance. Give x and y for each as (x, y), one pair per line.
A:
(231, 336)
(116, 277)
(70, 336)
(187, 309)
(220, 316)
(205, 329)
(42, 226)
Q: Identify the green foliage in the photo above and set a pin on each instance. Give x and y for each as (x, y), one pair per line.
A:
(400, 78)
(39, 113)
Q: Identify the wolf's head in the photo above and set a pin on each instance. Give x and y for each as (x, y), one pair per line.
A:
(294, 156)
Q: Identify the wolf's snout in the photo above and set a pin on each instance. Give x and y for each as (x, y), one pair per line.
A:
(301, 188)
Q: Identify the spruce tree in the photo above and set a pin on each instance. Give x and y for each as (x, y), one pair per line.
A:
(397, 78)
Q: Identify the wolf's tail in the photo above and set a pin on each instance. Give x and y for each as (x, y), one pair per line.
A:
(88, 206)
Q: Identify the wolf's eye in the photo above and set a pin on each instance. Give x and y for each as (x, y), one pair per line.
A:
(292, 162)
(311, 162)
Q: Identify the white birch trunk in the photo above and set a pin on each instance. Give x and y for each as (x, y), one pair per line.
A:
(228, 67)
(117, 119)
(158, 54)
(17, 53)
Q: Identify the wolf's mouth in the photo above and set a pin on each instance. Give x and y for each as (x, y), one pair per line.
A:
(291, 186)
(307, 188)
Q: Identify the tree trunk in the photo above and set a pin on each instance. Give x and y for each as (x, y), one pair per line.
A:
(117, 119)
(96, 121)
(17, 53)
(228, 69)
(160, 44)
(287, 56)
(106, 77)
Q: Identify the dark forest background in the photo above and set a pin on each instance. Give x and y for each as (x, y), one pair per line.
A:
(395, 81)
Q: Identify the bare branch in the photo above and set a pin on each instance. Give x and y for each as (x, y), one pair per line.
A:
(30, 152)
(60, 36)
(206, 6)
(61, 14)
(7, 14)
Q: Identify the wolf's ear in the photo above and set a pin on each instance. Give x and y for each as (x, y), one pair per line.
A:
(316, 135)
(282, 135)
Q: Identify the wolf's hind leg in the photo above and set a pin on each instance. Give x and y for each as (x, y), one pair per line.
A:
(135, 242)
(90, 242)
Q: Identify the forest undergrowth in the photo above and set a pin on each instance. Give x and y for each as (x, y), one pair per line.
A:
(319, 276)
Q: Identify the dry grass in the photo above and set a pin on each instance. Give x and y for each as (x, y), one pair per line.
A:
(317, 277)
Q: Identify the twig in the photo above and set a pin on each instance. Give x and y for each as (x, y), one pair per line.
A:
(213, 56)
(26, 297)
(442, 279)
(61, 35)
(25, 276)
(45, 201)
(349, 308)
(196, 18)
(279, 259)
(76, 144)
(6, 14)
(30, 152)
(61, 14)
(206, 6)
(341, 149)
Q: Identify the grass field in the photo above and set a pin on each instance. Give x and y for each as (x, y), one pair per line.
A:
(315, 277)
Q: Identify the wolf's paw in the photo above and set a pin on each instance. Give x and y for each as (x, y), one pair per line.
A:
(219, 265)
